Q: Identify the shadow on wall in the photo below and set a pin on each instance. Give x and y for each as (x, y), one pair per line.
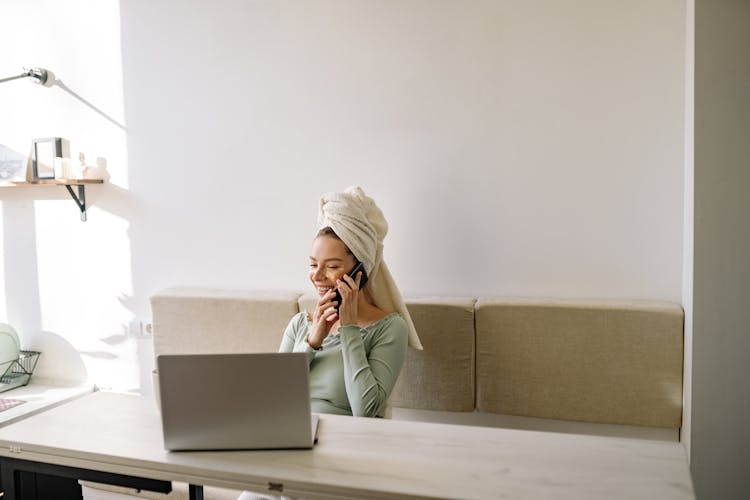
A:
(60, 361)
(59, 83)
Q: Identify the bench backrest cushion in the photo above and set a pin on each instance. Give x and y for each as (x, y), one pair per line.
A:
(606, 362)
(195, 321)
(440, 377)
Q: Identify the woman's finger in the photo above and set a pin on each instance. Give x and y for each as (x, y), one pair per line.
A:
(325, 303)
(343, 287)
(320, 311)
(330, 313)
(326, 297)
(354, 284)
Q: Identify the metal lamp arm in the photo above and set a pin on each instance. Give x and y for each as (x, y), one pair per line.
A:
(38, 75)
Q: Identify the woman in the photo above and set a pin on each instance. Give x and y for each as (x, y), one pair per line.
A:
(356, 347)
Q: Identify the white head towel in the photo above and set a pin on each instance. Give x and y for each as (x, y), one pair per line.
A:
(360, 224)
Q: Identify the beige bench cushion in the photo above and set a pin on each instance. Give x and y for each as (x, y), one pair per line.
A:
(307, 302)
(607, 362)
(441, 377)
(195, 321)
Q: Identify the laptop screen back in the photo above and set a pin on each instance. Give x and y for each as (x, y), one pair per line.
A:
(235, 401)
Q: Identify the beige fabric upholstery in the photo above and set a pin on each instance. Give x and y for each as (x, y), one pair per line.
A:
(606, 361)
(307, 302)
(188, 321)
(441, 377)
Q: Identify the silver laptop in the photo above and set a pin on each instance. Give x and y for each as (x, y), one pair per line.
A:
(235, 401)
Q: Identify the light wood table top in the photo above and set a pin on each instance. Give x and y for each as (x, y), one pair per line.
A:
(40, 395)
(360, 457)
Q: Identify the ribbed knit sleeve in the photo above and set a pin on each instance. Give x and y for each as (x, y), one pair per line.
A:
(370, 374)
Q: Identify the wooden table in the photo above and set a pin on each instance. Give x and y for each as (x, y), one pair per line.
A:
(40, 395)
(358, 457)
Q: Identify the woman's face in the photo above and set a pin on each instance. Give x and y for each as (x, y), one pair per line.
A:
(329, 261)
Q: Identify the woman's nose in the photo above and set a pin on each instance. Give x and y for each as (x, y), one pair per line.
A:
(318, 273)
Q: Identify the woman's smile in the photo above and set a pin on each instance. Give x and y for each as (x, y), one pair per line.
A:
(329, 259)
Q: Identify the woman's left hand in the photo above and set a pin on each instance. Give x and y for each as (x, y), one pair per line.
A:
(348, 287)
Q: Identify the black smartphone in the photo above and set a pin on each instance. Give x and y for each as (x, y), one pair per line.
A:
(353, 273)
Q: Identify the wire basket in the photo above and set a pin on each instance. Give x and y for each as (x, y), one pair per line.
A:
(19, 372)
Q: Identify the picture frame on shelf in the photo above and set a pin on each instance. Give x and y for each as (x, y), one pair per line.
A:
(43, 159)
(44, 154)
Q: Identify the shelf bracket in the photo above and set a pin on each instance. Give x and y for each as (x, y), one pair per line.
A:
(80, 199)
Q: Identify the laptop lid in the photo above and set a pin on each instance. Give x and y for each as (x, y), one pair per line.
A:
(235, 401)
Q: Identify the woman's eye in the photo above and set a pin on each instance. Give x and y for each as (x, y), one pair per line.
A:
(333, 267)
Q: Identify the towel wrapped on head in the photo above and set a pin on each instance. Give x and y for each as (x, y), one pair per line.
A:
(357, 220)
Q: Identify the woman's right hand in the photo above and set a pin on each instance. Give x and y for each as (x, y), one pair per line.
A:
(324, 317)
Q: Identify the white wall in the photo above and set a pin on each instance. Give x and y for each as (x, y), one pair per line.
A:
(516, 149)
(720, 407)
(67, 285)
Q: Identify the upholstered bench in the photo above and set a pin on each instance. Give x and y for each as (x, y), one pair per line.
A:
(603, 361)
(603, 366)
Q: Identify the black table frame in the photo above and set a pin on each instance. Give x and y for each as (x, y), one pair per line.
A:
(10, 466)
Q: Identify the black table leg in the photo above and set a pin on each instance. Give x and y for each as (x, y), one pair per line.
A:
(196, 492)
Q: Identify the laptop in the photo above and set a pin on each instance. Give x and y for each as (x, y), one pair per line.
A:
(235, 401)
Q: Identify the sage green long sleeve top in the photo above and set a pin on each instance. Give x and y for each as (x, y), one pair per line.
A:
(353, 372)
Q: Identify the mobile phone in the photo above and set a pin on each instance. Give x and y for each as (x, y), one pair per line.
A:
(353, 274)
